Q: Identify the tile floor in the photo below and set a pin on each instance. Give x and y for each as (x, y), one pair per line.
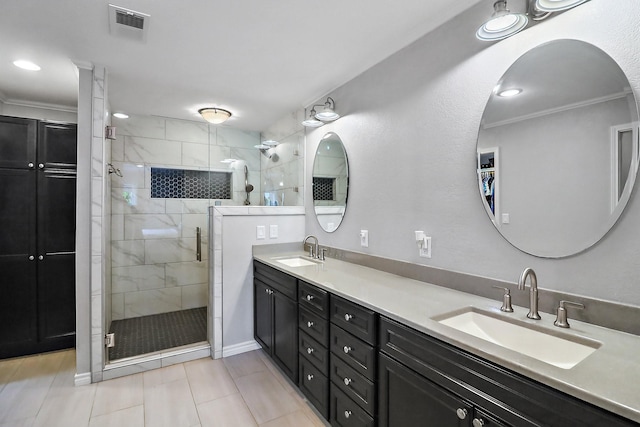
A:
(242, 390)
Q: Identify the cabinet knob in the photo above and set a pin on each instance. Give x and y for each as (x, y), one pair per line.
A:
(346, 349)
(309, 377)
(461, 413)
(41, 166)
(30, 165)
(40, 257)
(347, 414)
(348, 317)
(310, 297)
(309, 350)
(347, 381)
(477, 422)
(266, 291)
(309, 324)
(31, 257)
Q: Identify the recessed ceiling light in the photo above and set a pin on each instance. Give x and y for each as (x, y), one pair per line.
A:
(509, 92)
(26, 65)
(121, 115)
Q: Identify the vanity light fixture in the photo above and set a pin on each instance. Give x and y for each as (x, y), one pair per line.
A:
(270, 143)
(26, 65)
(327, 114)
(214, 115)
(557, 5)
(502, 24)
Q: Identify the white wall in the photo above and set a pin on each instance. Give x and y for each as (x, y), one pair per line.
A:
(39, 113)
(410, 126)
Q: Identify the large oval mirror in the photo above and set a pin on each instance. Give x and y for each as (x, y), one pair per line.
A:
(330, 182)
(558, 149)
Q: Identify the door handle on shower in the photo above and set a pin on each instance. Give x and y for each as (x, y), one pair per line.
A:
(198, 244)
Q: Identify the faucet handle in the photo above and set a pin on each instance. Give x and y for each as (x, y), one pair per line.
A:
(506, 299)
(321, 255)
(310, 250)
(561, 318)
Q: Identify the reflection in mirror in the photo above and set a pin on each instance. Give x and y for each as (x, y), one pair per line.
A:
(330, 182)
(558, 149)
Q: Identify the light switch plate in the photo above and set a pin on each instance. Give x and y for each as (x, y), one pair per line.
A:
(273, 231)
(260, 232)
(364, 238)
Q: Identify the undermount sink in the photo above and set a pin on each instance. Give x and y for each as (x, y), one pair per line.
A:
(558, 349)
(296, 261)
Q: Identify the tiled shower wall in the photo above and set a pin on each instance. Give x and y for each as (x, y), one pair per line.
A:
(154, 267)
(283, 173)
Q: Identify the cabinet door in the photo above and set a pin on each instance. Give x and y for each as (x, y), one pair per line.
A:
(57, 145)
(263, 315)
(18, 316)
(17, 142)
(285, 334)
(408, 399)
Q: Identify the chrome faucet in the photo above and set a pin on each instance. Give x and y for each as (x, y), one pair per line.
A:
(533, 292)
(313, 250)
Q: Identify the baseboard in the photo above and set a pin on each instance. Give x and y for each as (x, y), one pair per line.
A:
(242, 347)
(82, 379)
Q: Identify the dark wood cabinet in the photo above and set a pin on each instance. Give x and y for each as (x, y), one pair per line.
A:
(37, 224)
(276, 317)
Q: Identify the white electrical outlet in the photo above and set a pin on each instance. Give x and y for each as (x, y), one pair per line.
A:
(273, 231)
(261, 232)
(364, 238)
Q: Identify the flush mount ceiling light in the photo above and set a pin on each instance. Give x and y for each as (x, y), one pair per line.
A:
(557, 5)
(214, 115)
(121, 115)
(26, 65)
(507, 93)
(327, 114)
(502, 23)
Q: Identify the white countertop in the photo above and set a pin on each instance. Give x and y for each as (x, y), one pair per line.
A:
(608, 378)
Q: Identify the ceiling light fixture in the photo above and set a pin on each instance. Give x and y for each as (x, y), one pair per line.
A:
(26, 65)
(121, 115)
(214, 115)
(507, 93)
(502, 23)
(270, 143)
(327, 114)
(557, 5)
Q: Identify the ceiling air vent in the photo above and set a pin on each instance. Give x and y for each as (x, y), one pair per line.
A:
(128, 23)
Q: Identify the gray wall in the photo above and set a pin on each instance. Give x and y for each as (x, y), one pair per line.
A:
(409, 127)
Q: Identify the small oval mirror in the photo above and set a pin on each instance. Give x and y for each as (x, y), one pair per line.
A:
(558, 149)
(330, 185)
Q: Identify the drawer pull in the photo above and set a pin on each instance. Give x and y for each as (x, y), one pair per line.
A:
(346, 349)
(347, 381)
(478, 422)
(310, 297)
(309, 324)
(462, 413)
(309, 350)
(347, 414)
(348, 317)
(309, 377)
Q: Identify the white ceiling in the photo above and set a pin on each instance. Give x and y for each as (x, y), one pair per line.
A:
(259, 59)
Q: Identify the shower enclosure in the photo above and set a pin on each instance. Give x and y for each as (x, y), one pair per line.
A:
(172, 171)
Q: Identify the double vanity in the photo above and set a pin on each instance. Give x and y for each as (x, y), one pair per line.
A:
(371, 348)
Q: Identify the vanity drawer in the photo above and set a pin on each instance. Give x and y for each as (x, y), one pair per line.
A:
(313, 298)
(355, 352)
(315, 386)
(314, 325)
(287, 285)
(345, 413)
(357, 387)
(354, 318)
(315, 352)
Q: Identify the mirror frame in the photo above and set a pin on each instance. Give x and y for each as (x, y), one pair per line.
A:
(616, 206)
(337, 216)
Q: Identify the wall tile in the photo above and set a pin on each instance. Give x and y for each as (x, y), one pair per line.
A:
(117, 227)
(181, 130)
(152, 226)
(156, 301)
(236, 138)
(148, 127)
(170, 250)
(191, 221)
(186, 273)
(127, 253)
(195, 155)
(138, 278)
(194, 296)
(155, 151)
(117, 306)
(135, 201)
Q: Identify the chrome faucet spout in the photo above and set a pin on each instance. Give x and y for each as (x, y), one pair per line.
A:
(313, 251)
(533, 291)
